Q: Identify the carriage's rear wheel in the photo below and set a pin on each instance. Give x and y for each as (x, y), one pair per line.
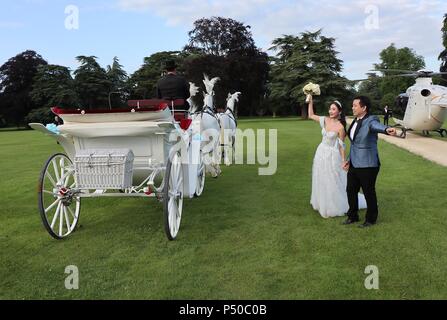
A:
(59, 207)
(173, 196)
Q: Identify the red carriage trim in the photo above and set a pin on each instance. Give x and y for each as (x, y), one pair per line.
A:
(185, 123)
(146, 105)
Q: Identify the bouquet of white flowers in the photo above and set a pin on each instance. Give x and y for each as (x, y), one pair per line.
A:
(311, 89)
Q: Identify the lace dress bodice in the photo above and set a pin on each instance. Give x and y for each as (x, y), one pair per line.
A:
(330, 138)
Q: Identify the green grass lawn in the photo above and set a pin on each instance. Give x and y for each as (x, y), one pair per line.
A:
(247, 237)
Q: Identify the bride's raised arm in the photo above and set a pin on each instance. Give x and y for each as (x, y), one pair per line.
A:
(310, 109)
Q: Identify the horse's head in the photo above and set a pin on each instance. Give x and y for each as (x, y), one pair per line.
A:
(208, 100)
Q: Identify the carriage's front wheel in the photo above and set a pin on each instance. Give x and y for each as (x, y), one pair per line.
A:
(59, 206)
(200, 180)
(173, 196)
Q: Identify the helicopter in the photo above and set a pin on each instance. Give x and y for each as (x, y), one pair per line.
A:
(425, 104)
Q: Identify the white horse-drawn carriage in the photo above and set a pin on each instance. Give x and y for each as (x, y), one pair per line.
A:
(150, 149)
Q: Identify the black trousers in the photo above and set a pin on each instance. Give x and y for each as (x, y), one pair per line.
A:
(364, 178)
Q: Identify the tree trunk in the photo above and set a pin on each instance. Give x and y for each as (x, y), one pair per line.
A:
(304, 115)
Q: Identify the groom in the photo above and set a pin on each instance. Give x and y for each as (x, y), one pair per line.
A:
(363, 163)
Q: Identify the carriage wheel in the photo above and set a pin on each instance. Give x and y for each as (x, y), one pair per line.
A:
(173, 196)
(59, 207)
(233, 147)
(200, 180)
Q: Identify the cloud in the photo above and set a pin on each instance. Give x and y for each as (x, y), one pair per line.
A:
(411, 23)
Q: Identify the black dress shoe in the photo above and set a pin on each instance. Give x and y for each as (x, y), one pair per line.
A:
(350, 221)
(366, 225)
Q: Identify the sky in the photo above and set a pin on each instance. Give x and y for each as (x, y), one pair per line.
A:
(60, 30)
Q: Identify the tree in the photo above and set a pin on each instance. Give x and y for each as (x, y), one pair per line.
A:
(119, 82)
(92, 84)
(225, 48)
(54, 86)
(143, 81)
(401, 59)
(299, 60)
(443, 54)
(16, 80)
(220, 36)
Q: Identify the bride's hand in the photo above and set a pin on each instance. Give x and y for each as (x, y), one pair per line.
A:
(345, 165)
(309, 98)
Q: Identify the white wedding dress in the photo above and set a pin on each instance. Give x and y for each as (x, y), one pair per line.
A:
(329, 179)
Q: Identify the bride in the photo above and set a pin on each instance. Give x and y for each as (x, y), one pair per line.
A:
(328, 178)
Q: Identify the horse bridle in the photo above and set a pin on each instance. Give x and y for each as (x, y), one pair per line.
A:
(231, 116)
(210, 112)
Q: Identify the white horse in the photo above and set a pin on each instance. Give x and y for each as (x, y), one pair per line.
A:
(228, 126)
(210, 128)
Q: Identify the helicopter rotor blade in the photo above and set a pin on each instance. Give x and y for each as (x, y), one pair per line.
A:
(410, 75)
(359, 80)
(394, 70)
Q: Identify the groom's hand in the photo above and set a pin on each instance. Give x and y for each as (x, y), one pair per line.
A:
(391, 131)
(345, 165)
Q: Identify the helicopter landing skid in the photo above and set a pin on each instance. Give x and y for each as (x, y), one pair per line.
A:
(442, 131)
(403, 133)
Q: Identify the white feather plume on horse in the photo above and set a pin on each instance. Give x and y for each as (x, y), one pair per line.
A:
(193, 90)
(209, 84)
(231, 99)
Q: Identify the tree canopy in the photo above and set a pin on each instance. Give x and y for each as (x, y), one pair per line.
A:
(119, 83)
(16, 82)
(222, 47)
(299, 60)
(54, 86)
(143, 81)
(92, 83)
(384, 90)
(220, 36)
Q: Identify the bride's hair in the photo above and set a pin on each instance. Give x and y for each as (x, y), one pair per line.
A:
(341, 116)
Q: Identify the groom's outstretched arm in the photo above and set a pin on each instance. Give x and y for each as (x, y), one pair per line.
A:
(376, 127)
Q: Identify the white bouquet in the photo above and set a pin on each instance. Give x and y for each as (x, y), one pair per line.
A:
(311, 89)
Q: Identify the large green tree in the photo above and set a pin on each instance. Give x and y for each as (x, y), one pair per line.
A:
(54, 86)
(119, 90)
(400, 59)
(143, 81)
(16, 81)
(391, 85)
(299, 60)
(220, 36)
(225, 48)
(92, 83)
